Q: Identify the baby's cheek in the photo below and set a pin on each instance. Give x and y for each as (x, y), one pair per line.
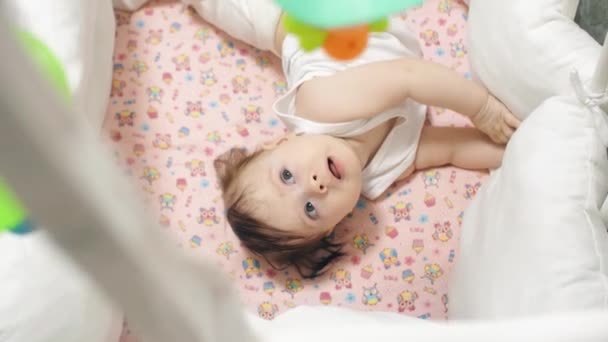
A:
(348, 201)
(355, 194)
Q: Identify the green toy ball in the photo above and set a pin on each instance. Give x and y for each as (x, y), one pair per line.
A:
(13, 216)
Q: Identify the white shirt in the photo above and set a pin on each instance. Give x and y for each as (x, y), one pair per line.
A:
(398, 150)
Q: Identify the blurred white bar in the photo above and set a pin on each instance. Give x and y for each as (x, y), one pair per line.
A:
(336, 324)
(55, 163)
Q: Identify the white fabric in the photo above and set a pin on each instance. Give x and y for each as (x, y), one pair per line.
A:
(533, 240)
(81, 34)
(398, 150)
(43, 297)
(252, 21)
(128, 5)
(604, 210)
(524, 51)
(329, 324)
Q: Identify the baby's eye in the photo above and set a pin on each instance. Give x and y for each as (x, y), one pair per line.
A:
(311, 211)
(287, 177)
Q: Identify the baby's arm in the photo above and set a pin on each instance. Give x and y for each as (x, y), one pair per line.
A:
(466, 148)
(369, 89)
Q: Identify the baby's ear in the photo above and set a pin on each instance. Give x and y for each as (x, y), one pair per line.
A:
(269, 145)
(227, 164)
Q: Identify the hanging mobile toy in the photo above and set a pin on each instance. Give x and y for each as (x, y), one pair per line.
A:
(341, 27)
(13, 217)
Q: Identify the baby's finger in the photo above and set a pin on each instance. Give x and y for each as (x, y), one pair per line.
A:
(504, 133)
(503, 140)
(511, 120)
(507, 131)
(498, 138)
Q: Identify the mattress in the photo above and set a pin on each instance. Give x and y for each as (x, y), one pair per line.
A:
(183, 92)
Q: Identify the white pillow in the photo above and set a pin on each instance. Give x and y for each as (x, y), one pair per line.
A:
(524, 50)
(81, 34)
(43, 297)
(533, 240)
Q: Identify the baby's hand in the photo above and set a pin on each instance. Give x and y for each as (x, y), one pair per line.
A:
(495, 120)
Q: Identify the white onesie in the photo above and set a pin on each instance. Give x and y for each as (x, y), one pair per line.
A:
(398, 150)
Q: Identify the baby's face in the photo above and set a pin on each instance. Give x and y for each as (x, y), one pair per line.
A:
(304, 184)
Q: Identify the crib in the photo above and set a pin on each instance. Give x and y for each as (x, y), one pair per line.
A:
(189, 293)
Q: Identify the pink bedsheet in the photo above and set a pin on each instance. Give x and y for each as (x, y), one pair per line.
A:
(184, 93)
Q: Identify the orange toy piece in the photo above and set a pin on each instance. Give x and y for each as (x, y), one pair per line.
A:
(346, 43)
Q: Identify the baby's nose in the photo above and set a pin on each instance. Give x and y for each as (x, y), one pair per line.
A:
(317, 184)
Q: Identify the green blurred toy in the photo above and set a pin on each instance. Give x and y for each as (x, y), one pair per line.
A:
(13, 216)
(341, 27)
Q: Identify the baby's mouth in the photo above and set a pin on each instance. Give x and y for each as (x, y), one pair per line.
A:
(333, 168)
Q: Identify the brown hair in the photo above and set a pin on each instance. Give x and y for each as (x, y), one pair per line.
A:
(281, 249)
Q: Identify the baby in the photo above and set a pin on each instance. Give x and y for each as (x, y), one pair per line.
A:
(357, 127)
